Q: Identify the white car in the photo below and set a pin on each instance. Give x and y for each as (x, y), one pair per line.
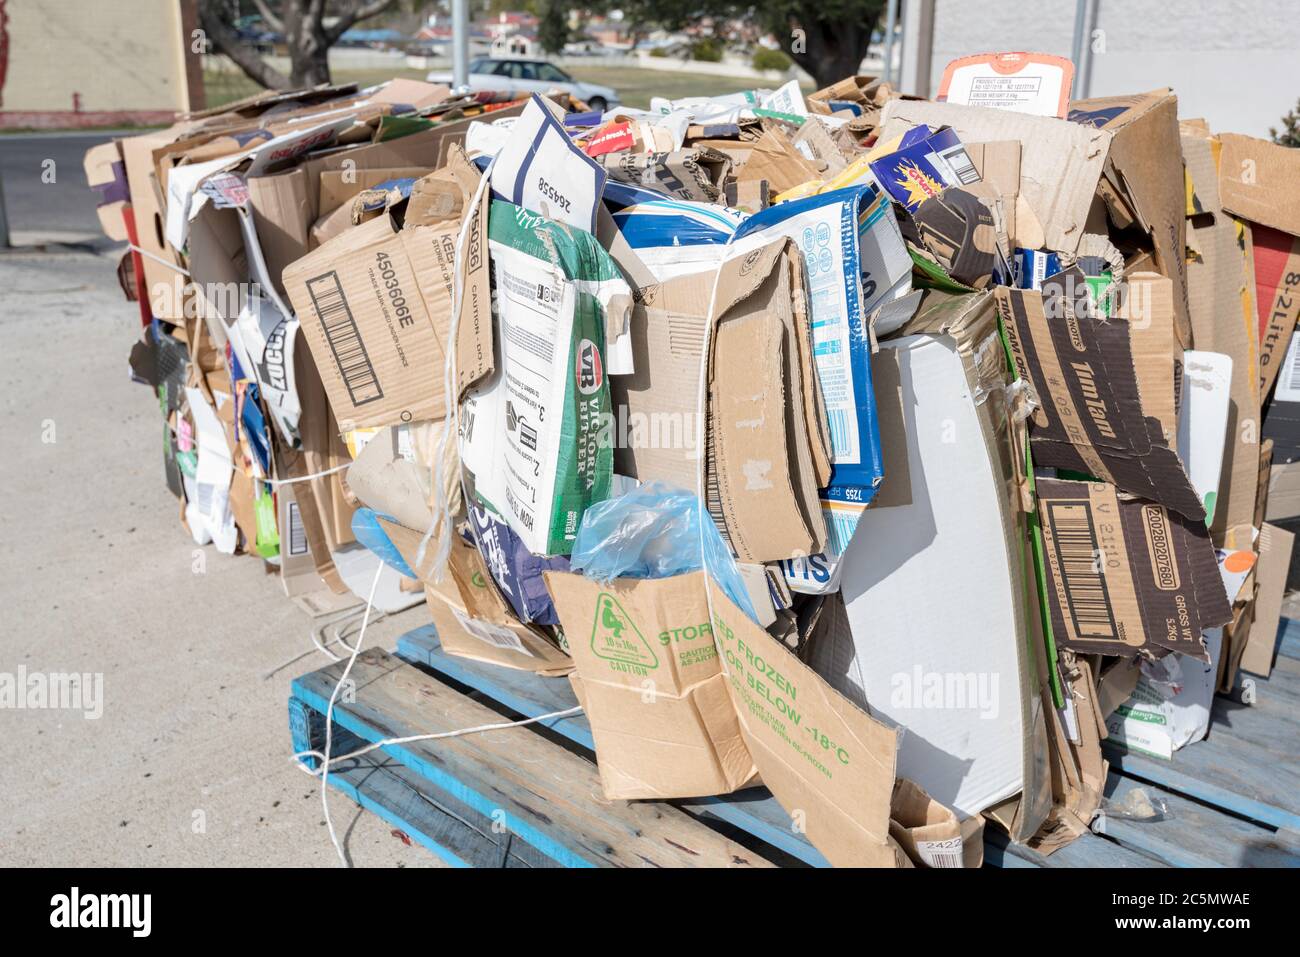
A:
(518, 75)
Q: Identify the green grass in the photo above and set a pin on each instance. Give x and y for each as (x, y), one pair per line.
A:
(635, 86)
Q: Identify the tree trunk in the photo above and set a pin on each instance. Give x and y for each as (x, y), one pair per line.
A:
(830, 50)
(304, 32)
(830, 47)
(225, 39)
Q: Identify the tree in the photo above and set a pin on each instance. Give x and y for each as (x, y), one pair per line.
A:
(828, 38)
(302, 22)
(552, 25)
(1289, 135)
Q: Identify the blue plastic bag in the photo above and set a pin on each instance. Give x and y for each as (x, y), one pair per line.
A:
(654, 532)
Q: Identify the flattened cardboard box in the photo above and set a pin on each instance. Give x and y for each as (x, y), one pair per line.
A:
(1223, 321)
(659, 426)
(949, 516)
(1126, 144)
(1275, 547)
(1094, 415)
(763, 422)
(375, 305)
(825, 761)
(822, 757)
(377, 349)
(1123, 574)
(485, 629)
(652, 687)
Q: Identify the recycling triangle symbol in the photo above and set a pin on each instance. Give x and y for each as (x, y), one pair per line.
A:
(615, 638)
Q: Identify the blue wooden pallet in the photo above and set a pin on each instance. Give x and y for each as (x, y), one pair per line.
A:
(1233, 799)
(753, 810)
(499, 798)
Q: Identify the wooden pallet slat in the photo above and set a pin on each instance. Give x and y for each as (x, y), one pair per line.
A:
(753, 810)
(548, 798)
(1234, 798)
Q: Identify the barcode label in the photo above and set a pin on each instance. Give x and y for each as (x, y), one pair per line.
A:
(1075, 542)
(297, 533)
(1288, 380)
(940, 853)
(958, 161)
(839, 530)
(344, 339)
(468, 421)
(838, 420)
(206, 493)
(494, 635)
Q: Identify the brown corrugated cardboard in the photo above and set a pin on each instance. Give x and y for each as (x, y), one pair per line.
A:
(1060, 161)
(148, 210)
(826, 761)
(508, 645)
(762, 478)
(1123, 574)
(1132, 141)
(337, 187)
(656, 407)
(652, 686)
(375, 344)
(774, 158)
(1218, 295)
(930, 833)
(281, 213)
(1260, 181)
(1283, 491)
(1105, 388)
(1275, 547)
(1143, 164)
(485, 627)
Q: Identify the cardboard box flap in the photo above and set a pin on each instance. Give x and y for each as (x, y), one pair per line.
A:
(761, 474)
(652, 686)
(1145, 164)
(379, 352)
(1275, 547)
(1260, 181)
(1060, 161)
(823, 758)
(1091, 417)
(1159, 586)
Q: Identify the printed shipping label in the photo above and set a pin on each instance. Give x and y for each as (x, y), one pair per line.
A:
(941, 853)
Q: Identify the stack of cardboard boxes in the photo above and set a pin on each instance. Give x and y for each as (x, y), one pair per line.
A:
(972, 409)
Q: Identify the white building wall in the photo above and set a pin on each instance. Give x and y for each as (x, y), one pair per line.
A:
(1236, 63)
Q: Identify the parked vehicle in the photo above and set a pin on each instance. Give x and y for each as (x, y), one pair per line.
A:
(514, 75)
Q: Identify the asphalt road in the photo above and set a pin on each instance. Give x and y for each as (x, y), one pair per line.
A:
(45, 189)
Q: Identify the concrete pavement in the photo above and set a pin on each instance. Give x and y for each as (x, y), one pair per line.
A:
(189, 762)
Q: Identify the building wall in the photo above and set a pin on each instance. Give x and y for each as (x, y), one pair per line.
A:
(1236, 63)
(96, 62)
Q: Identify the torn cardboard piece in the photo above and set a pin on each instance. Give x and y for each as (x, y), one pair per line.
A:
(1275, 548)
(764, 443)
(1104, 388)
(1125, 575)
